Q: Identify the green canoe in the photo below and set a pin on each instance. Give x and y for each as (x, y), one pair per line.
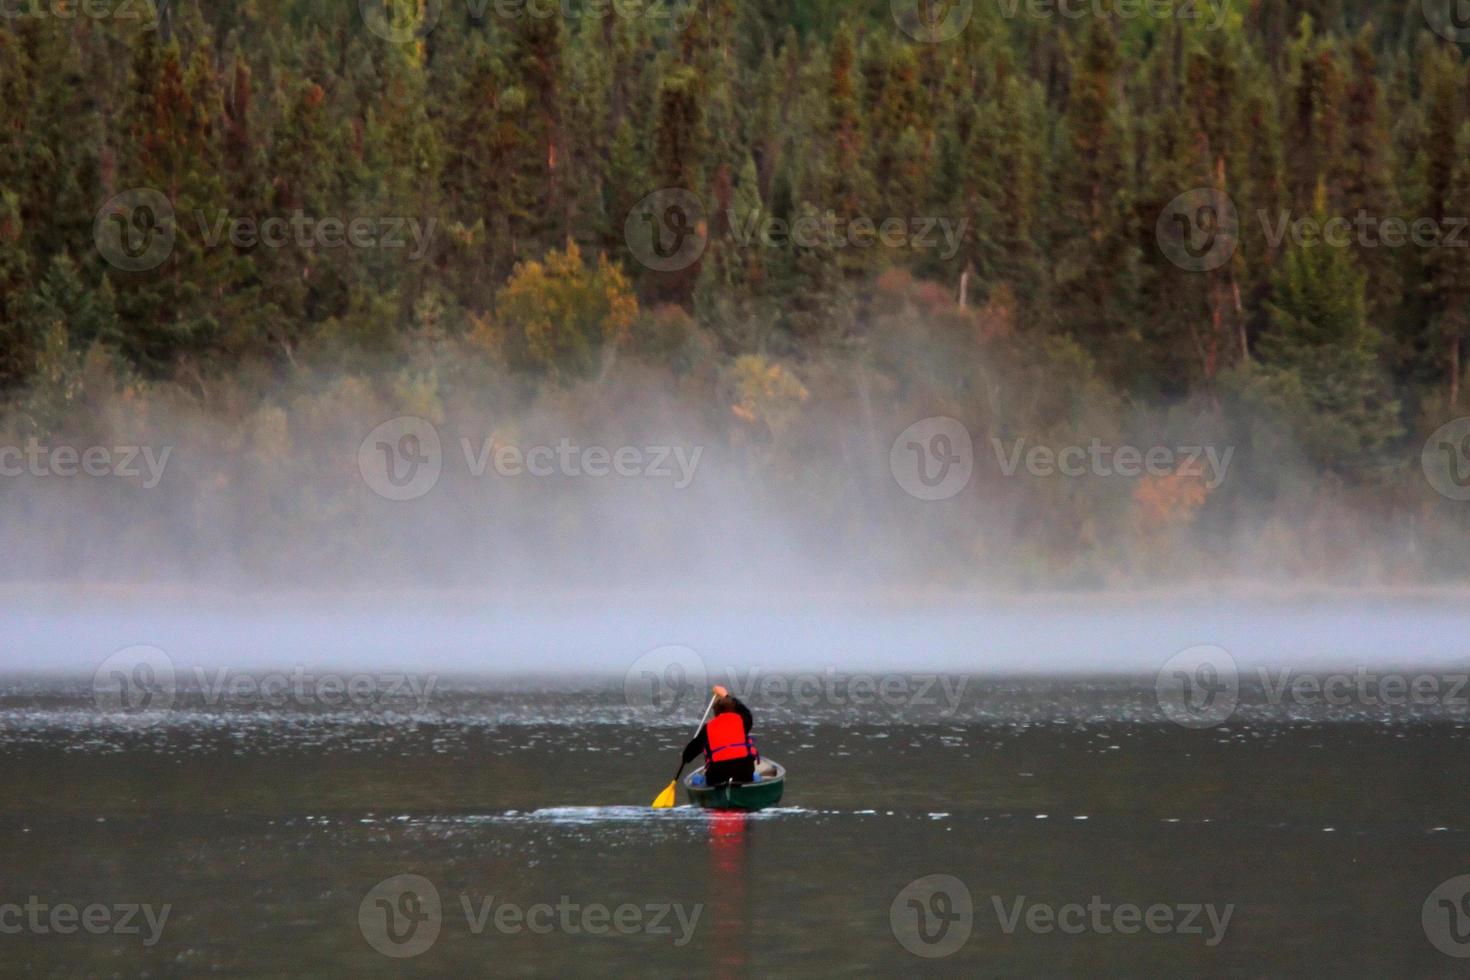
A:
(737, 796)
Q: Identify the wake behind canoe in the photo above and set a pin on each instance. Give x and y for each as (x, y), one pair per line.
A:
(765, 791)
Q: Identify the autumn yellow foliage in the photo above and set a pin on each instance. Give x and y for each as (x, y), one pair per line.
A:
(559, 314)
(1169, 501)
(766, 395)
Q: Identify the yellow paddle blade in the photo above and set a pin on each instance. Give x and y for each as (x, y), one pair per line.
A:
(665, 799)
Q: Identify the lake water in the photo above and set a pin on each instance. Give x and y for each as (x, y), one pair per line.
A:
(501, 828)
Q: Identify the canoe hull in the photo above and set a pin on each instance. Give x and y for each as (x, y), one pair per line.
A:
(736, 796)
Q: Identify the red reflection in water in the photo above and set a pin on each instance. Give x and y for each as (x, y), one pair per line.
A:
(727, 829)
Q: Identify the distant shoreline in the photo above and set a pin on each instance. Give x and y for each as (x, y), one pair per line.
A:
(1253, 593)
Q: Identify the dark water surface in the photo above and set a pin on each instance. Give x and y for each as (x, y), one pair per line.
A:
(266, 830)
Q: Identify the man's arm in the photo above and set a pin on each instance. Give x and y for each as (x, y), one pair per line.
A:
(695, 747)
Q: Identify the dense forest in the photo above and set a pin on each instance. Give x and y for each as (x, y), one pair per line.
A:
(1205, 222)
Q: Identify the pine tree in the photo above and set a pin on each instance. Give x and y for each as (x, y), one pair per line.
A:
(678, 163)
(1095, 250)
(172, 313)
(1002, 188)
(1184, 349)
(488, 186)
(1361, 174)
(1451, 278)
(1314, 124)
(1320, 358)
(1441, 275)
(17, 345)
(902, 138)
(539, 68)
(843, 183)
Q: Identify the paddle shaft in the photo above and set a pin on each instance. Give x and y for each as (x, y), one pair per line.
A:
(702, 718)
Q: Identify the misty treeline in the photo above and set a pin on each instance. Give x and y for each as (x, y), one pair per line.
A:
(519, 145)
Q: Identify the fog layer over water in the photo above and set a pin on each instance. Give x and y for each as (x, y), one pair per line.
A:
(452, 633)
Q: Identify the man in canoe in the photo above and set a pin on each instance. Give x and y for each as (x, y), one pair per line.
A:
(729, 754)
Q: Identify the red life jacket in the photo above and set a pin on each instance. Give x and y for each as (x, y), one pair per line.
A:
(725, 738)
